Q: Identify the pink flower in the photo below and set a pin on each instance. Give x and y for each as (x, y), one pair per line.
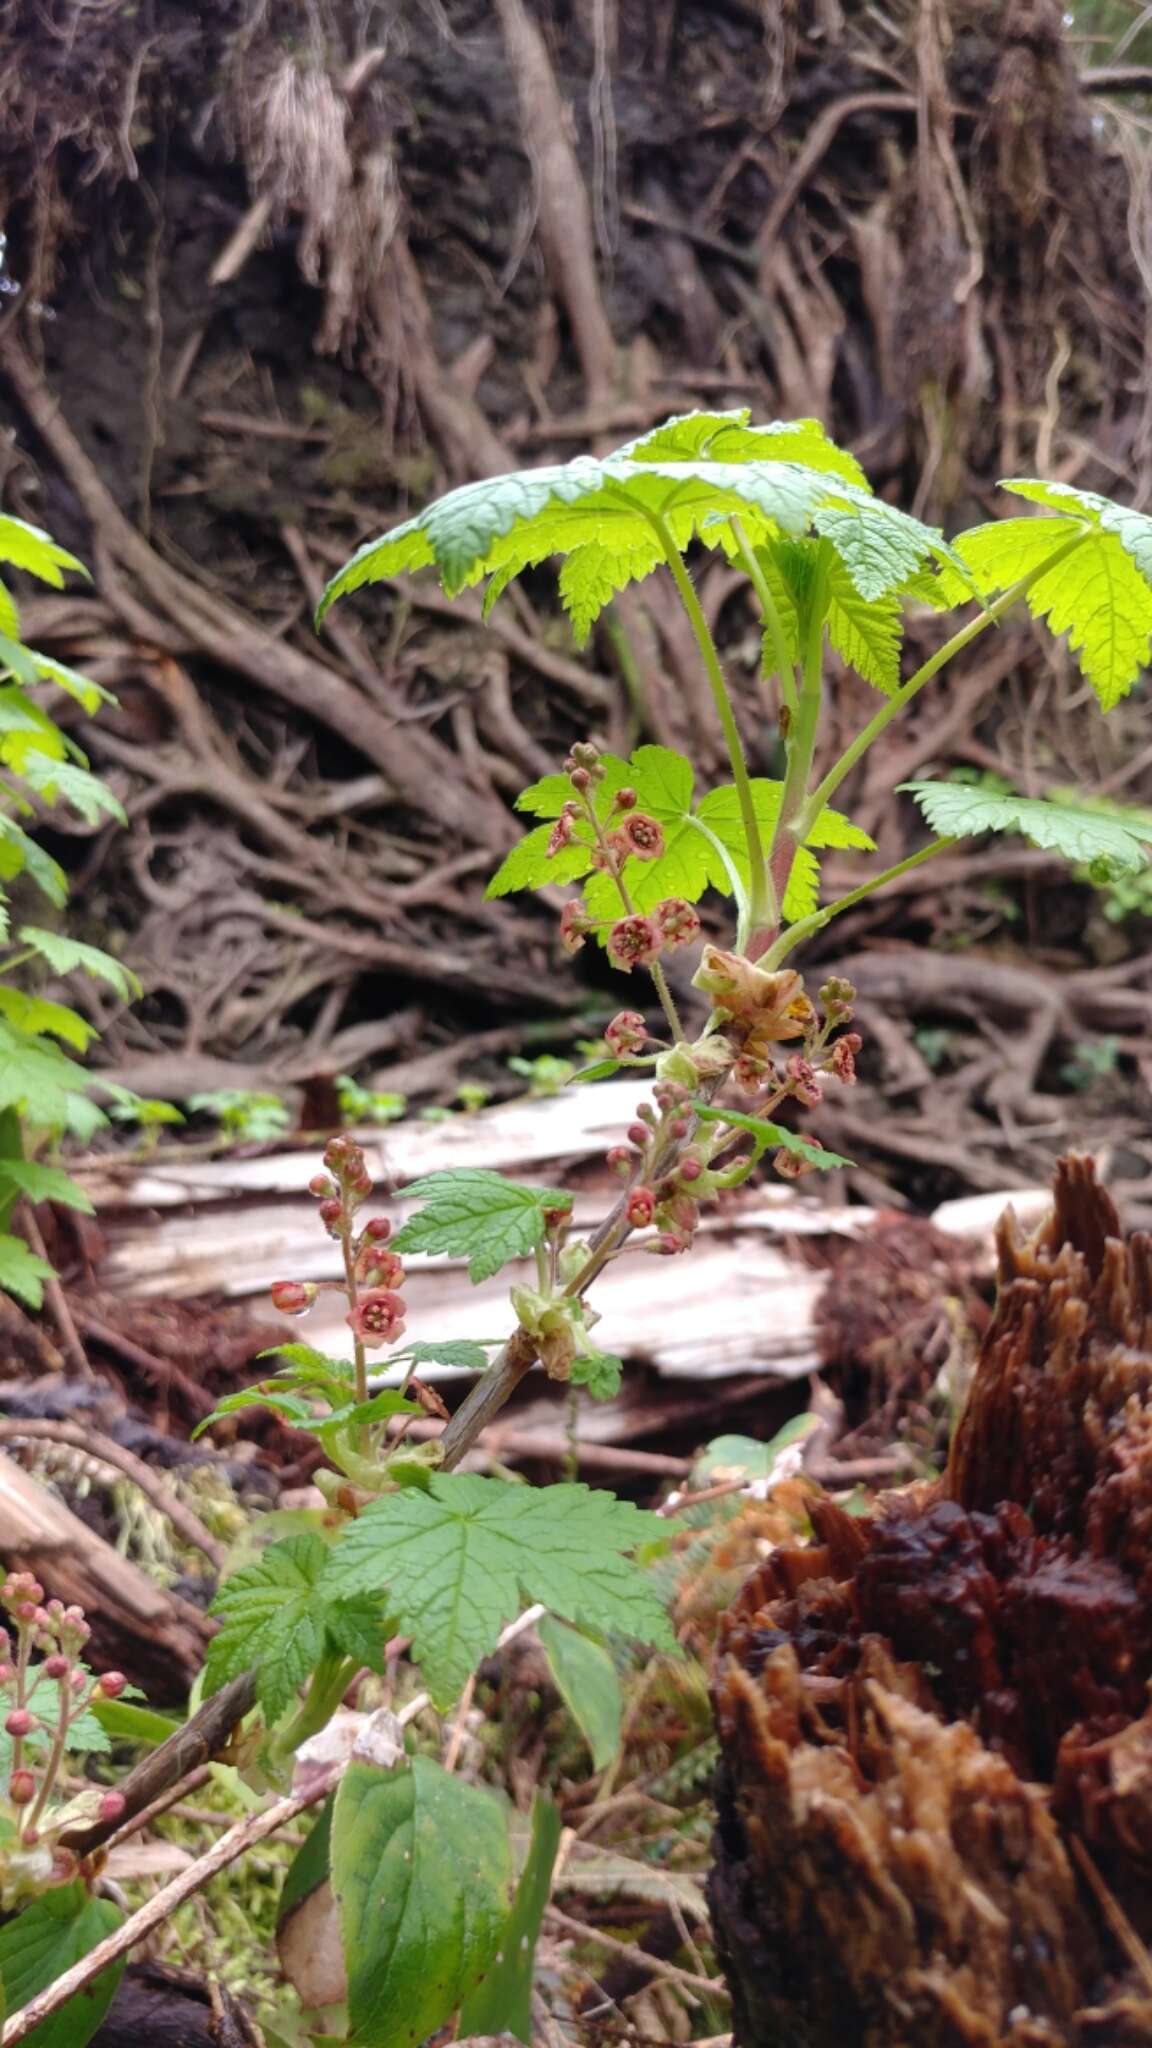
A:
(641, 1208)
(562, 834)
(676, 921)
(642, 836)
(575, 925)
(379, 1317)
(626, 1033)
(377, 1268)
(805, 1081)
(844, 1057)
(633, 942)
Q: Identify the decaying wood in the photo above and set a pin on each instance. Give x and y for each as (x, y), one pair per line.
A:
(134, 1621)
(934, 1721)
(744, 1302)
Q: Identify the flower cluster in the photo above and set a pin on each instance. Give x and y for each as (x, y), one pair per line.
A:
(636, 939)
(45, 1701)
(373, 1275)
(666, 1181)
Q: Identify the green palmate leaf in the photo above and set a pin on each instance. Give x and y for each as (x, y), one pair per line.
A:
(63, 782)
(728, 437)
(89, 695)
(459, 1352)
(276, 1615)
(20, 855)
(530, 866)
(720, 812)
(475, 1214)
(67, 956)
(9, 615)
(422, 1875)
(43, 1941)
(458, 1559)
(770, 1136)
(1100, 594)
(37, 1079)
(42, 1184)
(865, 633)
(593, 574)
(24, 726)
(34, 1014)
(959, 811)
(508, 523)
(26, 547)
(502, 2001)
(22, 1273)
(587, 1682)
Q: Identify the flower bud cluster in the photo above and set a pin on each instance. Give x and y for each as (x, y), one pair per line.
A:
(665, 1196)
(374, 1274)
(37, 1719)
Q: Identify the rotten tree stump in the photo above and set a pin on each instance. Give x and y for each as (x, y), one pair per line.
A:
(935, 1796)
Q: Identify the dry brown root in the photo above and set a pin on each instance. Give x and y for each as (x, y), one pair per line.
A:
(935, 1805)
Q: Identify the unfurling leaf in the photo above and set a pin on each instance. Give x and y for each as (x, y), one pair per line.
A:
(475, 1214)
(767, 1135)
(455, 1563)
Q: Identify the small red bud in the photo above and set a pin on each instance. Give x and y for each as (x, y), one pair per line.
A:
(331, 1216)
(638, 1135)
(690, 1169)
(19, 1723)
(56, 1666)
(378, 1229)
(321, 1186)
(112, 1806)
(620, 1159)
(27, 1612)
(679, 1127)
(111, 1684)
(77, 1681)
(293, 1297)
(22, 1788)
(626, 800)
(580, 779)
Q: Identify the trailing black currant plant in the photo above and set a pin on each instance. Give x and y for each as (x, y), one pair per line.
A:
(437, 1909)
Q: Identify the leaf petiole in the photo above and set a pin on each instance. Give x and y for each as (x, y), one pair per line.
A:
(805, 927)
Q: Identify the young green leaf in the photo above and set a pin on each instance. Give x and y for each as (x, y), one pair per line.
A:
(771, 1135)
(866, 633)
(277, 1615)
(456, 1560)
(20, 855)
(63, 782)
(459, 1352)
(617, 506)
(42, 1184)
(502, 2001)
(1100, 594)
(422, 1875)
(22, 1273)
(89, 695)
(26, 547)
(33, 1015)
(475, 1214)
(37, 1946)
(292, 1408)
(728, 437)
(587, 1683)
(37, 1079)
(600, 1372)
(959, 810)
(67, 955)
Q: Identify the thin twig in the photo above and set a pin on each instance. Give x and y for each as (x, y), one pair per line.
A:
(184, 1519)
(76, 1358)
(712, 1987)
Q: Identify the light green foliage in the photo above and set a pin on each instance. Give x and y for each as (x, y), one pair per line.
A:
(703, 839)
(546, 1075)
(502, 2001)
(475, 1214)
(244, 1114)
(453, 1564)
(770, 1136)
(359, 1105)
(599, 1371)
(587, 1682)
(684, 481)
(278, 1616)
(958, 810)
(422, 1875)
(1100, 594)
(39, 1944)
(727, 1457)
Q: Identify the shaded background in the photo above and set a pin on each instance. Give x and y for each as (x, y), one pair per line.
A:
(278, 272)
